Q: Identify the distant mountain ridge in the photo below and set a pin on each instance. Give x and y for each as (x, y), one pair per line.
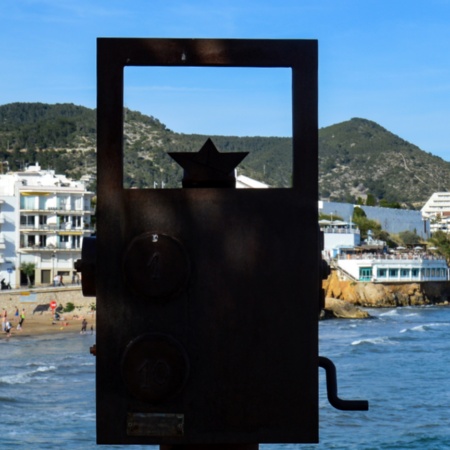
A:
(357, 157)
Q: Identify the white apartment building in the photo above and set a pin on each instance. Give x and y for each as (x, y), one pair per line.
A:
(437, 209)
(43, 219)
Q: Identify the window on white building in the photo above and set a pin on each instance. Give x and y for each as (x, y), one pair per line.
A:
(365, 273)
(77, 203)
(404, 273)
(63, 222)
(76, 241)
(27, 220)
(28, 201)
(76, 221)
(63, 202)
(43, 203)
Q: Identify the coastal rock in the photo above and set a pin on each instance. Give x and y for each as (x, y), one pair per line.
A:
(378, 295)
(341, 309)
(371, 294)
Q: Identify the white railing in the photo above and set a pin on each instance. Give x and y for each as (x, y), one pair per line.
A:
(392, 257)
(335, 230)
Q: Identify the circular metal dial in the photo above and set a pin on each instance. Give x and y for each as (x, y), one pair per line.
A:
(156, 266)
(155, 367)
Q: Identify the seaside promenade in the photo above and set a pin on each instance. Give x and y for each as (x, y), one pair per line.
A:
(39, 319)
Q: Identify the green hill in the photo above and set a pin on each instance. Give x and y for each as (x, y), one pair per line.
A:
(357, 157)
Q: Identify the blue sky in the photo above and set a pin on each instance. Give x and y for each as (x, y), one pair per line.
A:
(383, 60)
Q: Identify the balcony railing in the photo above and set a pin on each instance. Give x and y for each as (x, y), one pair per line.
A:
(392, 257)
(48, 248)
(58, 210)
(55, 228)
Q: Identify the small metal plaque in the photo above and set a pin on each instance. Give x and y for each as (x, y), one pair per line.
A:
(154, 424)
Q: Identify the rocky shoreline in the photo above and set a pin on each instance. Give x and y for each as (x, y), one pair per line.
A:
(377, 295)
(340, 309)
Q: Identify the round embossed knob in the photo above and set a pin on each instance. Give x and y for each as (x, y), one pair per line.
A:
(155, 367)
(156, 265)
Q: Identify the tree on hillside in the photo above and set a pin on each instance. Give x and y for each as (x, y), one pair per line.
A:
(358, 212)
(441, 241)
(371, 200)
(386, 204)
(409, 238)
(333, 217)
(364, 224)
(28, 269)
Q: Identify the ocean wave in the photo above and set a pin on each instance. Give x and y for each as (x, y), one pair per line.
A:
(25, 377)
(373, 341)
(425, 327)
(37, 364)
(420, 328)
(392, 312)
(438, 324)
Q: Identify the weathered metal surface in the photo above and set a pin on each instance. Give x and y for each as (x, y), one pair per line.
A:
(156, 266)
(208, 168)
(243, 316)
(155, 367)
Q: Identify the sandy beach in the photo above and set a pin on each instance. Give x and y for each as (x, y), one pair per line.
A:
(43, 323)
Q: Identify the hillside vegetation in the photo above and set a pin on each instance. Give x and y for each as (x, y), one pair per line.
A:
(357, 157)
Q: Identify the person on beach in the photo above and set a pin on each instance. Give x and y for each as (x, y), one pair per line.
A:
(22, 319)
(83, 326)
(16, 314)
(8, 329)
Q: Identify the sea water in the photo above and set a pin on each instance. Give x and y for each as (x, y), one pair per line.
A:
(399, 361)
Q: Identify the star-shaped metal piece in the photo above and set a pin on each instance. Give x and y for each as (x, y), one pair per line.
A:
(208, 167)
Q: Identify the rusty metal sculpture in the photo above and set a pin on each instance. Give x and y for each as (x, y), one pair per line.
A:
(207, 298)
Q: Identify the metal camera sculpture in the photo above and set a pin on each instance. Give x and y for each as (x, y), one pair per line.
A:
(207, 296)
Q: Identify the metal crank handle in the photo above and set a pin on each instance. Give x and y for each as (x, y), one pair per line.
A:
(332, 391)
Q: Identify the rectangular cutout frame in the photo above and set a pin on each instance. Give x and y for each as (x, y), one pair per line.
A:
(116, 53)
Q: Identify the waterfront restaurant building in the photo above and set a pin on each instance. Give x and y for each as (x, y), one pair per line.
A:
(43, 219)
(394, 268)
